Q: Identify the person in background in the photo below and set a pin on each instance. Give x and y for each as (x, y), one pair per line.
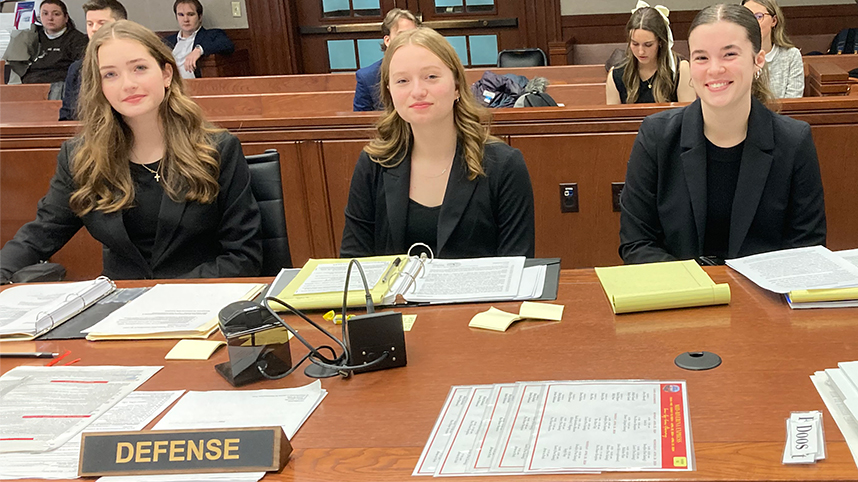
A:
(98, 13)
(723, 177)
(367, 96)
(651, 72)
(433, 174)
(194, 41)
(165, 192)
(783, 59)
(60, 44)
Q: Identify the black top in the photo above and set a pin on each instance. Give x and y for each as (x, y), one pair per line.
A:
(55, 57)
(722, 175)
(421, 225)
(141, 220)
(645, 94)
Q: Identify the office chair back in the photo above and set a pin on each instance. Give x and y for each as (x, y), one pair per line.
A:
(267, 188)
(522, 58)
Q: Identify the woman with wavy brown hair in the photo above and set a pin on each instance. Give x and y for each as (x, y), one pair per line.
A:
(166, 193)
(433, 174)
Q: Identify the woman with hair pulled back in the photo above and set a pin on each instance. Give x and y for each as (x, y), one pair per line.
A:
(651, 72)
(433, 174)
(725, 176)
(783, 59)
(166, 193)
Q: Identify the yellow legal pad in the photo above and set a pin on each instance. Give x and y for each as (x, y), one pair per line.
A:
(660, 286)
(831, 294)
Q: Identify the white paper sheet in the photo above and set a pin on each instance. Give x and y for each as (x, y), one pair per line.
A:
(442, 432)
(45, 407)
(286, 407)
(813, 267)
(35, 308)
(133, 412)
(172, 308)
(463, 280)
(845, 420)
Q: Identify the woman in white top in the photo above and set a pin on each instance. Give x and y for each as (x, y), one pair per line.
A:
(783, 59)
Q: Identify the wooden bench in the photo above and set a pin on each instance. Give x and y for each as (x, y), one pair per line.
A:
(24, 92)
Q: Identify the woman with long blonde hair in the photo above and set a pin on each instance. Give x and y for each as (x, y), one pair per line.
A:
(725, 176)
(433, 174)
(166, 193)
(652, 71)
(783, 59)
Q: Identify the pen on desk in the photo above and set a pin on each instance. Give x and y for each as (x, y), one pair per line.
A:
(71, 362)
(56, 360)
(393, 265)
(30, 354)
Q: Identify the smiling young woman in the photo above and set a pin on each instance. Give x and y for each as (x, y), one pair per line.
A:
(434, 174)
(166, 193)
(651, 71)
(725, 176)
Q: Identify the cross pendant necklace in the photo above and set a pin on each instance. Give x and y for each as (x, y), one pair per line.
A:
(157, 176)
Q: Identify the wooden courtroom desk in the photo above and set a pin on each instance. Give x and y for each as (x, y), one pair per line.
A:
(373, 426)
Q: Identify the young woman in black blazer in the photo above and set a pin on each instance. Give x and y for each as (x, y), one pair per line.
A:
(725, 176)
(167, 194)
(433, 174)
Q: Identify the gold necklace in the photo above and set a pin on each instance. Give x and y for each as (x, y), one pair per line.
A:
(438, 175)
(155, 172)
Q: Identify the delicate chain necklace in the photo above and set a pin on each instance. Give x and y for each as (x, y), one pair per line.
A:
(438, 175)
(153, 171)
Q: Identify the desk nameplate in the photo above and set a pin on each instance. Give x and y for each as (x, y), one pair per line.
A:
(184, 451)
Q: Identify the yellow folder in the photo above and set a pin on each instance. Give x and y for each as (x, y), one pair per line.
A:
(832, 294)
(332, 297)
(660, 286)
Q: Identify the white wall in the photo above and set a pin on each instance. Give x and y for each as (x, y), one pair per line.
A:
(158, 14)
(584, 7)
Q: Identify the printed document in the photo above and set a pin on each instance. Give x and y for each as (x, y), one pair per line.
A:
(41, 408)
(173, 310)
(286, 407)
(133, 412)
(328, 278)
(813, 267)
(462, 280)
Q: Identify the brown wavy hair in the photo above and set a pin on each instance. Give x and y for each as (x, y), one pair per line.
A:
(664, 84)
(741, 16)
(394, 137)
(191, 165)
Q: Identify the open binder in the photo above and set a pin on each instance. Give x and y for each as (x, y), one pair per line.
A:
(52, 305)
(401, 279)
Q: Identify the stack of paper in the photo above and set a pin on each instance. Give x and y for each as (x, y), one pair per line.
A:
(660, 286)
(838, 388)
(172, 311)
(560, 427)
(811, 277)
(286, 407)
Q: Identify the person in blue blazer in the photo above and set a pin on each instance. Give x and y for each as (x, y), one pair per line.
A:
(166, 193)
(433, 174)
(194, 41)
(366, 90)
(725, 176)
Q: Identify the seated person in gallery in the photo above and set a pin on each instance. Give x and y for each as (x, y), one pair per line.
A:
(193, 41)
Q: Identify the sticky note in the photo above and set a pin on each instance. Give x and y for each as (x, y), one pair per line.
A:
(408, 322)
(493, 319)
(194, 349)
(541, 311)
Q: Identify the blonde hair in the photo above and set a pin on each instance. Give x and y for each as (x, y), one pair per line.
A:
(741, 16)
(664, 84)
(191, 165)
(779, 35)
(394, 137)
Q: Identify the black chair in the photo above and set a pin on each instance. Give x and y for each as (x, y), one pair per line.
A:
(522, 58)
(267, 188)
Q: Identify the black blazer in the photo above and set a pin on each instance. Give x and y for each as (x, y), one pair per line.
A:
(489, 216)
(213, 41)
(778, 202)
(192, 240)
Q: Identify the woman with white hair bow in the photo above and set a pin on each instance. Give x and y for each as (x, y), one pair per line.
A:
(651, 71)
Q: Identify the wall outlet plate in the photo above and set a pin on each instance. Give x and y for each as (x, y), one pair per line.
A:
(568, 197)
(236, 9)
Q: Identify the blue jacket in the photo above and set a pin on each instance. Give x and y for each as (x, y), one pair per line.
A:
(212, 41)
(68, 112)
(366, 91)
